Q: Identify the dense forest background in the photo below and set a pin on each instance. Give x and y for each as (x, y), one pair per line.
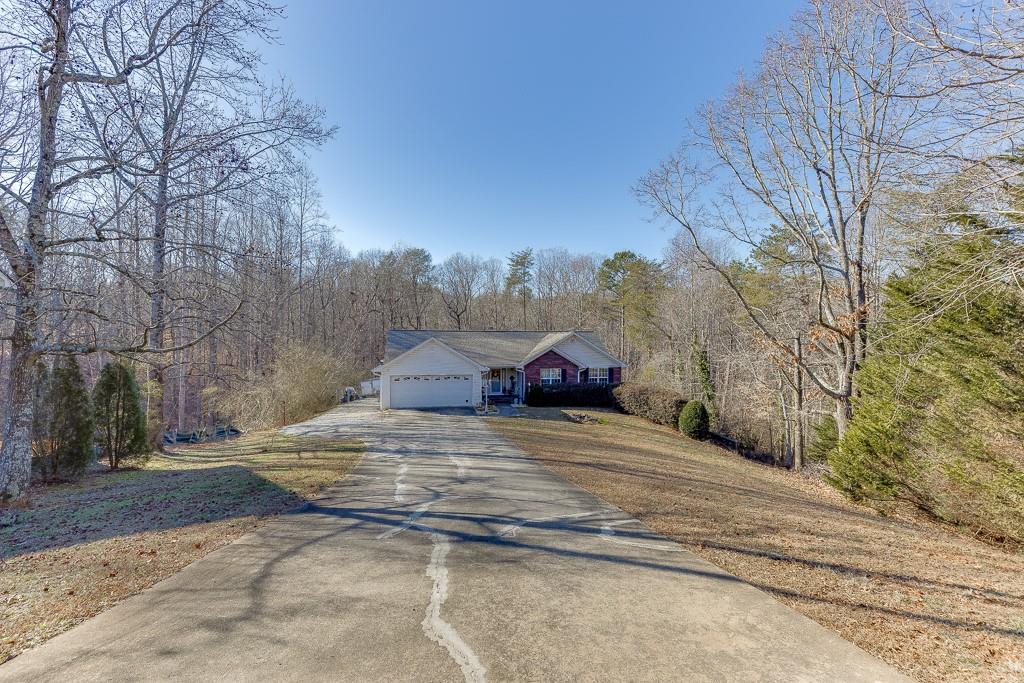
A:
(841, 279)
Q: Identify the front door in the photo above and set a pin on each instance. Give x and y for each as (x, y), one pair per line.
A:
(495, 387)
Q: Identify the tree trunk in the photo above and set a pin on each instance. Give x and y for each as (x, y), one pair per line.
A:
(786, 451)
(844, 411)
(213, 377)
(16, 450)
(27, 262)
(798, 425)
(622, 332)
(157, 321)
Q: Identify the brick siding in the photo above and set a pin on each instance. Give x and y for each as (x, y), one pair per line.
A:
(570, 372)
(551, 359)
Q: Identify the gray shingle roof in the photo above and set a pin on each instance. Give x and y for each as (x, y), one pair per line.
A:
(493, 348)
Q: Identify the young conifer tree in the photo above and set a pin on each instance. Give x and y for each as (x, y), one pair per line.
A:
(65, 427)
(120, 420)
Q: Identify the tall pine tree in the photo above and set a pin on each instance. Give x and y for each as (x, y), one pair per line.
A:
(520, 276)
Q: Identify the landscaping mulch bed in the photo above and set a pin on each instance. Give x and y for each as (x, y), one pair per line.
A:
(76, 549)
(937, 605)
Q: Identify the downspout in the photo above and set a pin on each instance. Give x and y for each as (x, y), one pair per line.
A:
(378, 372)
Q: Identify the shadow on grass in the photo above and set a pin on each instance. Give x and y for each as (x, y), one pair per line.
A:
(135, 501)
(253, 445)
(751, 496)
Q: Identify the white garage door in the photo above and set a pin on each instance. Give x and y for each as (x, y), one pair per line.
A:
(431, 391)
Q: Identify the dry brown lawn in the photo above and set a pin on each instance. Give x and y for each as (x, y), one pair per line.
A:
(79, 548)
(936, 605)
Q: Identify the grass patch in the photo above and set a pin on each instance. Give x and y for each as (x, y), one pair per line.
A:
(936, 605)
(79, 548)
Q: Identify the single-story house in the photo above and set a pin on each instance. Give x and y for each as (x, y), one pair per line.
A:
(445, 368)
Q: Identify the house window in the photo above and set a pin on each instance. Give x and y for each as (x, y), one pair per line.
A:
(551, 375)
(597, 376)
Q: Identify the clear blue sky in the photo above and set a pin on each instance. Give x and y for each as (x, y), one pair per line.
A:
(489, 126)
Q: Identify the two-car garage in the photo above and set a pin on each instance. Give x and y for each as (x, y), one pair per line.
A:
(431, 391)
(431, 375)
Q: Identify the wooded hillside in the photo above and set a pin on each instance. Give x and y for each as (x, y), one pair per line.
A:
(156, 208)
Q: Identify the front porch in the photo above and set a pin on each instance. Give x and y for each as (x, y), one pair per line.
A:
(503, 385)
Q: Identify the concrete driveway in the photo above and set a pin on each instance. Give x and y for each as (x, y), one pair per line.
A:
(448, 554)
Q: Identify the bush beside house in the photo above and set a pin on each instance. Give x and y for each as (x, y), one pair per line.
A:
(654, 403)
(579, 395)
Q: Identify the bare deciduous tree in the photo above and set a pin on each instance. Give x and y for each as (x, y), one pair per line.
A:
(810, 144)
(110, 107)
(459, 280)
(61, 49)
